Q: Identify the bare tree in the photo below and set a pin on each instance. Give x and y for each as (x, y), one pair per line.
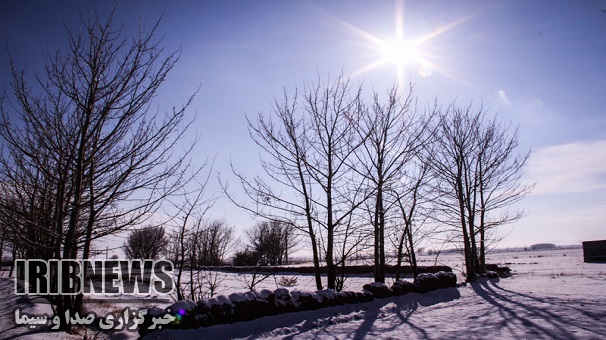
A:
(272, 242)
(451, 163)
(499, 168)
(191, 209)
(88, 142)
(413, 202)
(210, 243)
(9, 210)
(334, 111)
(477, 172)
(286, 146)
(251, 280)
(393, 133)
(206, 284)
(147, 243)
(314, 154)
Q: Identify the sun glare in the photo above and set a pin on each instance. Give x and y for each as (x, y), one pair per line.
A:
(408, 55)
(400, 52)
(404, 55)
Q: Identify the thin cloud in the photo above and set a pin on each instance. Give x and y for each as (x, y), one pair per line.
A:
(503, 97)
(569, 168)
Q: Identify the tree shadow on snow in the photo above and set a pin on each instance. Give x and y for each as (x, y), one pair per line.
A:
(317, 324)
(10, 302)
(539, 317)
(405, 307)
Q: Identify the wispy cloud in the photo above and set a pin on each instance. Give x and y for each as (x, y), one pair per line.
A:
(503, 97)
(569, 168)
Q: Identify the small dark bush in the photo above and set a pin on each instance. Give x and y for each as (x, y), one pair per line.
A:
(378, 289)
(283, 301)
(501, 271)
(246, 258)
(402, 287)
(429, 282)
(307, 300)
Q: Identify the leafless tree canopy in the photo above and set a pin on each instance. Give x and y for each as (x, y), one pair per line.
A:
(210, 242)
(146, 243)
(349, 172)
(478, 176)
(393, 133)
(195, 246)
(310, 147)
(272, 242)
(84, 155)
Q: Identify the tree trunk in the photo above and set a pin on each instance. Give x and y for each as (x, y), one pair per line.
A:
(380, 234)
(331, 274)
(70, 248)
(466, 239)
(400, 254)
(411, 251)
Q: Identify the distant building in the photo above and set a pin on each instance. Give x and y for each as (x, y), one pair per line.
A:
(542, 246)
(594, 251)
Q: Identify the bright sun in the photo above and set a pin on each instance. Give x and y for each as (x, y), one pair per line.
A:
(406, 54)
(399, 52)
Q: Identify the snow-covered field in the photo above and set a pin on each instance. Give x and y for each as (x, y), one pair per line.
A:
(552, 294)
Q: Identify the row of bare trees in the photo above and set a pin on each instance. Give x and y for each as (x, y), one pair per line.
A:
(192, 244)
(206, 243)
(353, 172)
(196, 246)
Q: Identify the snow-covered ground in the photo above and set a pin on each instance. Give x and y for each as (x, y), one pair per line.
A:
(9, 302)
(551, 294)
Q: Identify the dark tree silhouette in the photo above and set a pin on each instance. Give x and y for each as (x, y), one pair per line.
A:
(272, 242)
(246, 257)
(146, 243)
(84, 140)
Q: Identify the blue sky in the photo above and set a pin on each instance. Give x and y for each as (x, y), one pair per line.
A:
(540, 64)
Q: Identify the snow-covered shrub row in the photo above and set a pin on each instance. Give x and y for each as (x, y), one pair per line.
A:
(428, 282)
(424, 283)
(251, 305)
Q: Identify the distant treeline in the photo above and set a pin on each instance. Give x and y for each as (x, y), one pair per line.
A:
(360, 269)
